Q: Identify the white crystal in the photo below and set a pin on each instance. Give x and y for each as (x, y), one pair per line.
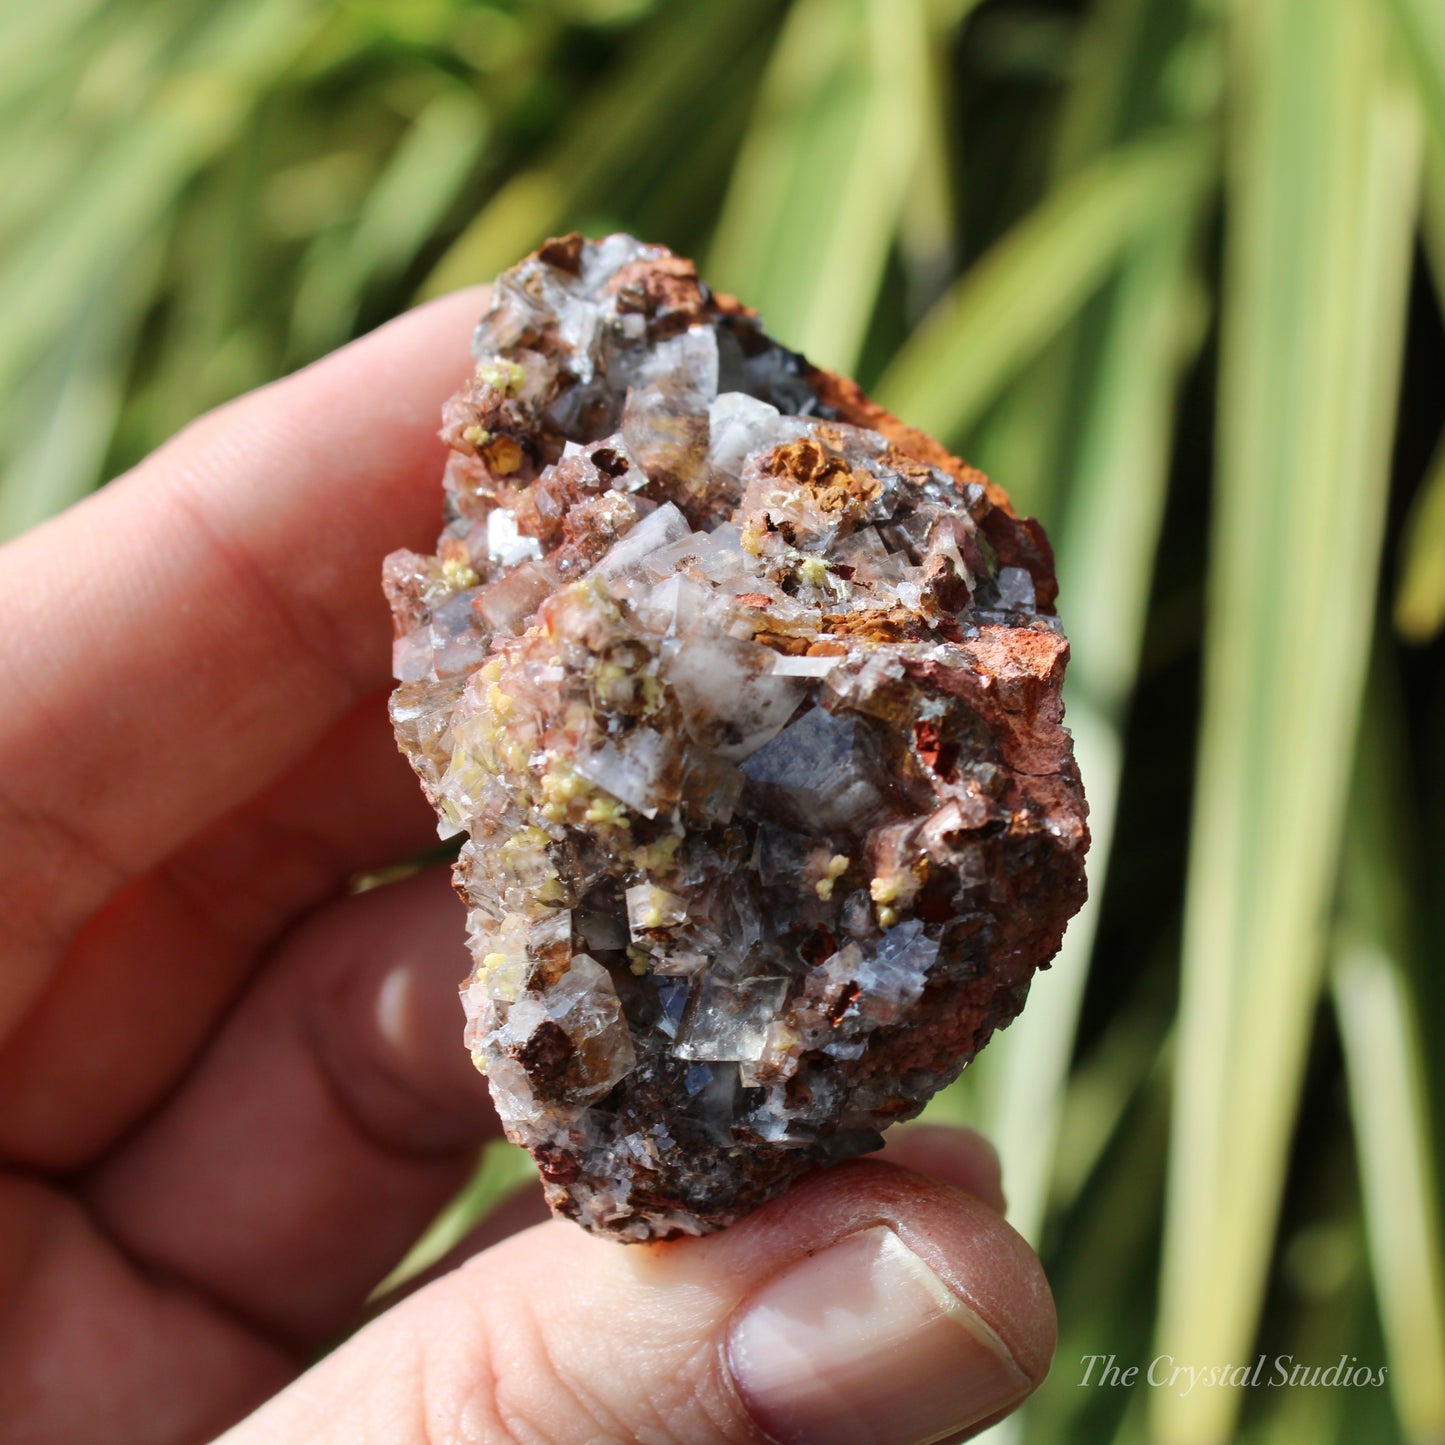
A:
(630, 769)
(821, 764)
(685, 367)
(730, 697)
(729, 1021)
(650, 907)
(789, 666)
(510, 602)
(655, 531)
(1015, 589)
(739, 424)
(411, 656)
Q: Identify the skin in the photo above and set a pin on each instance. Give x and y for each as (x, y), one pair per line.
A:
(232, 1093)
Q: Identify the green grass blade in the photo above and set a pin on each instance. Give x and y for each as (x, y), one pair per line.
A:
(1136, 1051)
(501, 1171)
(67, 101)
(1380, 1025)
(1161, 59)
(68, 409)
(38, 37)
(29, 26)
(927, 243)
(818, 191)
(1088, 429)
(1420, 599)
(1102, 1279)
(1138, 66)
(216, 301)
(1323, 1280)
(1420, 25)
(1432, 209)
(1024, 290)
(38, 34)
(420, 181)
(1116, 502)
(676, 58)
(1325, 164)
(134, 176)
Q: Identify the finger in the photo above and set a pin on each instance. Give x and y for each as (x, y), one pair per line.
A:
(512, 1215)
(148, 976)
(333, 1116)
(952, 1154)
(91, 1350)
(178, 638)
(869, 1305)
(947, 1153)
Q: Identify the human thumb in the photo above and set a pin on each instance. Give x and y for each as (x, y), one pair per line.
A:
(871, 1304)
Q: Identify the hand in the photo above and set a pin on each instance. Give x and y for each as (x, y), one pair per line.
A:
(233, 1096)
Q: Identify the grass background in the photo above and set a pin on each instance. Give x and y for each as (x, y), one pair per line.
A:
(1172, 271)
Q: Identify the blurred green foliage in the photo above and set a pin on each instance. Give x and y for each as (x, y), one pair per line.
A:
(1172, 271)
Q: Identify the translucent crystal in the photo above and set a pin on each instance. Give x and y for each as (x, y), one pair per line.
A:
(507, 604)
(505, 544)
(746, 699)
(821, 771)
(730, 698)
(729, 1021)
(631, 769)
(650, 536)
(650, 907)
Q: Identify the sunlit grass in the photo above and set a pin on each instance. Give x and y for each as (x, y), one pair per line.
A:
(1151, 261)
(1324, 157)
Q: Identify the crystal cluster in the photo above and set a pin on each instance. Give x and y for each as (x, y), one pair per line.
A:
(746, 698)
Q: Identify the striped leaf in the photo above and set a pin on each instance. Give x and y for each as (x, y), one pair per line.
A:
(1024, 290)
(1324, 162)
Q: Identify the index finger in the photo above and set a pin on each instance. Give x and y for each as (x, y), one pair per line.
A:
(178, 638)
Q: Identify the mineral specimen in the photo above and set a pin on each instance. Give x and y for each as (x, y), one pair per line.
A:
(746, 697)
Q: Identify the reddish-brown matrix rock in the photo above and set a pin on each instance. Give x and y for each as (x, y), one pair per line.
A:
(747, 699)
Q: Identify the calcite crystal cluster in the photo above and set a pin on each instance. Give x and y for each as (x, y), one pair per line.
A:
(746, 698)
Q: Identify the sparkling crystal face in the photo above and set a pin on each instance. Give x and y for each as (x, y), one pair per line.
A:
(747, 701)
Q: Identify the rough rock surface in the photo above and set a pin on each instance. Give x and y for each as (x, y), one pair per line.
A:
(746, 697)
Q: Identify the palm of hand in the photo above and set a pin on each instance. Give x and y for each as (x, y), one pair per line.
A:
(232, 1095)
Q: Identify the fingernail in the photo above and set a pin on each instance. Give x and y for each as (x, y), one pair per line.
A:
(862, 1344)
